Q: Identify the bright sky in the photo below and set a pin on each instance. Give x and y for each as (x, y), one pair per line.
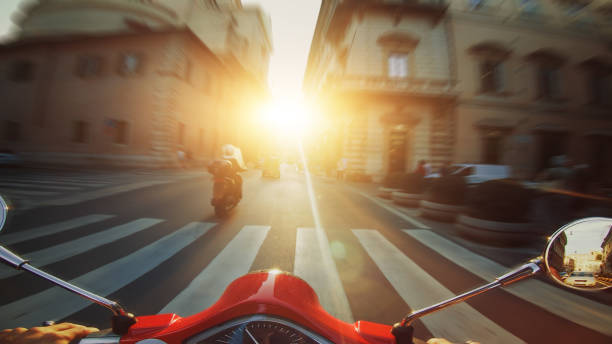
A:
(293, 23)
(586, 237)
(7, 7)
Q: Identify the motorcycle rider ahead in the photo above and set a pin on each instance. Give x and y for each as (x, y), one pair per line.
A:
(234, 155)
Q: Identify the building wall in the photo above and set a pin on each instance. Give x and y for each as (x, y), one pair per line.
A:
(367, 57)
(517, 113)
(53, 17)
(360, 61)
(224, 26)
(175, 85)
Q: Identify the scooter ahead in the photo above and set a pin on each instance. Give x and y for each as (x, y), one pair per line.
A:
(226, 193)
(276, 307)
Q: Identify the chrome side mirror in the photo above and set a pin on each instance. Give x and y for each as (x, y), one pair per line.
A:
(3, 212)
(579, 254)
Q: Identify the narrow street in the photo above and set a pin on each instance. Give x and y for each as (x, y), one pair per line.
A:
(159, 248)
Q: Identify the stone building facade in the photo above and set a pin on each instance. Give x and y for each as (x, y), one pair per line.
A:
(466, 81)
(132, 85)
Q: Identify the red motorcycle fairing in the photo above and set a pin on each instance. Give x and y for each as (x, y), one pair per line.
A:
(267, 292)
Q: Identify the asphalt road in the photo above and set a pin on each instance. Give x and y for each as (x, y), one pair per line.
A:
(159, 248)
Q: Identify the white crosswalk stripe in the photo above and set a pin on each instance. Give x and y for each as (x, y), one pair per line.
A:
(313, 262)
(10, 239)
(29, 193)
(69, 249)
(570, 306)
(56, 303)
(30, 186)
(234, 261)
(30, 190)
(418, 289)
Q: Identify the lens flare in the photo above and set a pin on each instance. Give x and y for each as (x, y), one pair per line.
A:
(289, 118)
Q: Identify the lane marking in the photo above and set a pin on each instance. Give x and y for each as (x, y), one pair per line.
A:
(232, 262)
(458, 323)
(14, 238)
(311, 252)
(56, 303)
(71, 248)
(392, 210)
(572, 307)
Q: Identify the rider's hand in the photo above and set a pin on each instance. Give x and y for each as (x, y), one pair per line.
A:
(56, 334)
(444, 341)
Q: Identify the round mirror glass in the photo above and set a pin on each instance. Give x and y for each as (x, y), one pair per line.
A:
(3, 212)
(579, 255)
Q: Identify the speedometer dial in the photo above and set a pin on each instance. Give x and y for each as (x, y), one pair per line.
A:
(260, 332)
(274, 331)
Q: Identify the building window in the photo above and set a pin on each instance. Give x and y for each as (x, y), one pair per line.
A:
(121, 136)
(492, 148)
(89, 66)
(476, 4)
(118, 130)
(181, 134)
(549, 82)
(21, 71)
(12, 131)
(491, 76)
(80, 131)
(600, 89)
(397, 65)
(572, 7)
(130, 64)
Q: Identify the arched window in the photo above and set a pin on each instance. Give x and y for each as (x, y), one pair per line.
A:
(491, 58)
(548, 77)
(599, 80)
(398, 48)
(21, 71)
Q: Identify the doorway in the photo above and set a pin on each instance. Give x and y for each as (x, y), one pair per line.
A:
(550, 143)
(398, 139)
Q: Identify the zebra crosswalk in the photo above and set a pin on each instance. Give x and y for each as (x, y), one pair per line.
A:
(313, 262)
(30, 189)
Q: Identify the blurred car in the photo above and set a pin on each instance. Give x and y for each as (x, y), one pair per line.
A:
(271, 168)
(476, 173)
(9, 158)
(581, 279)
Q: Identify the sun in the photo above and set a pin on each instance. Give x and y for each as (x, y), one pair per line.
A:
(287, 117)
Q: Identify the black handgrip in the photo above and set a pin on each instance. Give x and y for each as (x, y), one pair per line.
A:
(121, 323)
(402, 334)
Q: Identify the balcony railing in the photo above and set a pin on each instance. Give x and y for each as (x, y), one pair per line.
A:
(415, 86)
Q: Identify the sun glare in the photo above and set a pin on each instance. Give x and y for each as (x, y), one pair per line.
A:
(288, 118)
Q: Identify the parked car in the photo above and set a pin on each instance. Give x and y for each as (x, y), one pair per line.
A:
(581, 279)
(9, 158)
(476, 173)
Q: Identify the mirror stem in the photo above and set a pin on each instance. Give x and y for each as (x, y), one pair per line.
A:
(18, 263)
(525, 271)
